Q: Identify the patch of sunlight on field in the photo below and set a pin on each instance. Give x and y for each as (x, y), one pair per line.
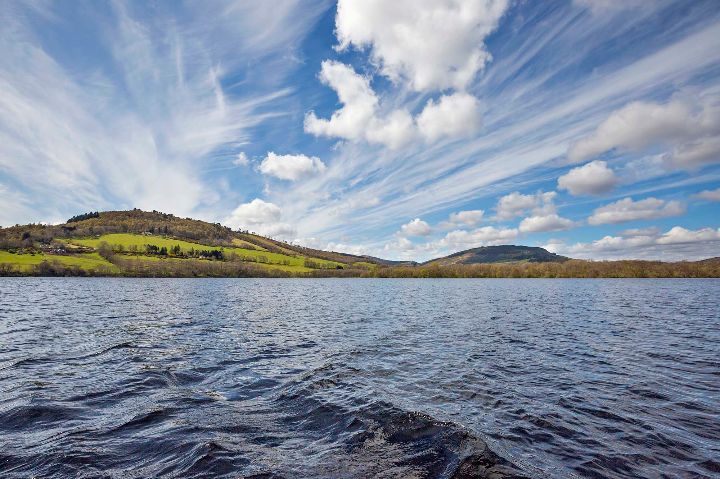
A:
(86, 261)
(246, 244)
(127, 240)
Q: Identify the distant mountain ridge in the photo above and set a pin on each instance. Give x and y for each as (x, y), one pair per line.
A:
(500, 254)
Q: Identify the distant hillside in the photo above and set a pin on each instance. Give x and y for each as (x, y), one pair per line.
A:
(716, 259)
(500, 254)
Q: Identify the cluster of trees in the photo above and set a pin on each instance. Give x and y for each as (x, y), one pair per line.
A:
(194, 269)
(84, 216)
(107, 251)
(133, 221)
(567, 269)
(55, 268)
(308, 263)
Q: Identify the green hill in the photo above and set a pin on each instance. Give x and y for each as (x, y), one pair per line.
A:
(500, 254)
(141, 243)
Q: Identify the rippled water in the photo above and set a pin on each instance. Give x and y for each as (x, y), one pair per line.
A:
(359, 378)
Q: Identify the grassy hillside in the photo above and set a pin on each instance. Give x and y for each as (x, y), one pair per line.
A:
(139, 243)
(26, 262)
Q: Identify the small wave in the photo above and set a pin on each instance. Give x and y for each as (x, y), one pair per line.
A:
(385, 440)
(30, 360)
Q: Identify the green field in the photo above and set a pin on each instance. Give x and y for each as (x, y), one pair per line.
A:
(260, 258)
(25, 262)
(139, 241)
(127, 241)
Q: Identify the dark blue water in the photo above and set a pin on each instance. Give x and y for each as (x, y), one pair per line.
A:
(359, 378)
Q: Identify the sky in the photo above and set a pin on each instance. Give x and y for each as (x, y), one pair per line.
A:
(406, 130)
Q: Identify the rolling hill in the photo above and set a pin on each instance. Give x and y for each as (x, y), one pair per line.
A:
(141, 243)
(500, 254)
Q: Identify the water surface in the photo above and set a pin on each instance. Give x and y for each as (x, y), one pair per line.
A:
(359, 378)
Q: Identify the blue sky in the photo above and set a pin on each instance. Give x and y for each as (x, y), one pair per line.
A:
(407, 129)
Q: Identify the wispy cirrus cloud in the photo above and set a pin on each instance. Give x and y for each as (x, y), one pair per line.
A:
(134, 125)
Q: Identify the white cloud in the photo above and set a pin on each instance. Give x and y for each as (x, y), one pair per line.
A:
(593, 178)
(358, 118)
(487, 235)
(361, 118)
(551, 222)
(652, 231)
(416, 227)
(695, 154)
(634, 126)
(291, 167)
(629, 210)
(401, 244)
(432, 45)
(355, 249)
(517, 204)
(261, 217)
(358, 100)
(241, 159)
(674, 245)
(689, 127)
(709, 195)
(468, 217)
(456, 115)
(130, 125)
(680, 235)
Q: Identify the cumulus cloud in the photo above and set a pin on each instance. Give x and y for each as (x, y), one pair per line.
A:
(416, 227)
(690, 129)
(241, 159)
(291, 167)
(358, 118)
(361, 118)
(455, 115)
(261, 217)
(467, 217)
(517, 204)
(485, 236)
(593, 178)
(551, 222)
(629, 210)
(694, 154)
(680, 235)
(430, 45)
(709, 195)
(676, 244)
(401, 245)
(355, 249)
(652, 231)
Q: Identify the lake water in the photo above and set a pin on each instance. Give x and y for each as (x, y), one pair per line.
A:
(359, 378)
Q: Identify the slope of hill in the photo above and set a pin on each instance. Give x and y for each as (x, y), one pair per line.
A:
(141, 243)
(500, 254)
